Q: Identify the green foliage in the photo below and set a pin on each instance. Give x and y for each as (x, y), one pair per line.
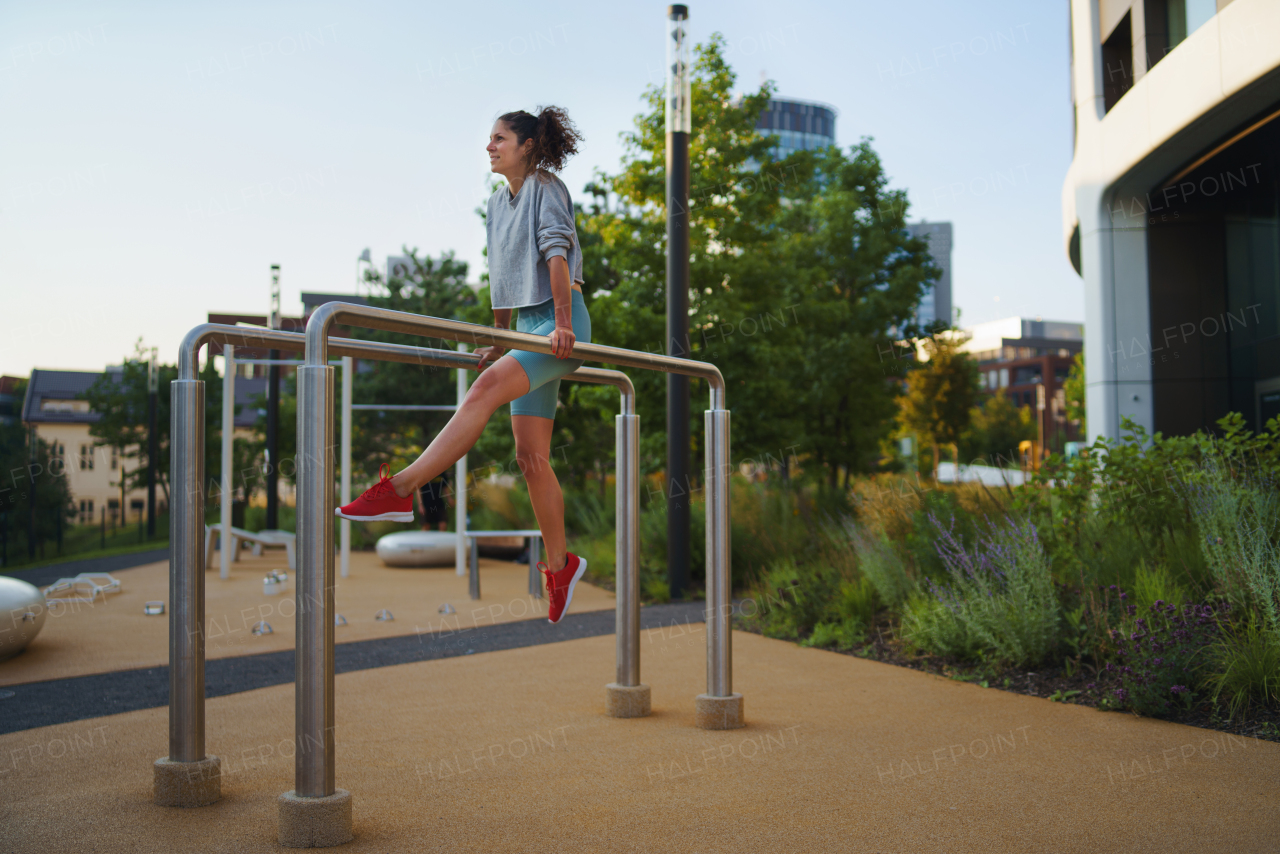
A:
(1238, 513)
(995, 429)
(46, 476)
(1245, 667)
(121, 399)
(798, 269)
(1074, 391)
(941, 393)
(999, 599)
(881, 564)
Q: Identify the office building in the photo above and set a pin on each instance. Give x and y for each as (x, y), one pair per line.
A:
(1016, 357)
(1170, 209)
(935, 305)
(798, 125)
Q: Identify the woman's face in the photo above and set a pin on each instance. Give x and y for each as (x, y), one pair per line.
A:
(506, 157)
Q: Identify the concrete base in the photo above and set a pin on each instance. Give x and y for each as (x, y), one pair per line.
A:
(187, 784)
(315, 822)
(720, 712)
(624, 701)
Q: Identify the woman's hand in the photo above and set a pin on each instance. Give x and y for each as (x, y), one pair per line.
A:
(562, 341)
(488, 355)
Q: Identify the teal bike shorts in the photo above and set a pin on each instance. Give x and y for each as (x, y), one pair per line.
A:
(544, 370)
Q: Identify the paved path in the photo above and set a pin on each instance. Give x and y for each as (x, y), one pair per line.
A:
(511, 751)
(83, 697)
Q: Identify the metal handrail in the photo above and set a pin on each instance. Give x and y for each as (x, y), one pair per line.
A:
(349, 314)
(186, 521)
(375, 351)
(314, 770)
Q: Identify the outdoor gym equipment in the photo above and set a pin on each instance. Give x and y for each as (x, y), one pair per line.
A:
(316, 813)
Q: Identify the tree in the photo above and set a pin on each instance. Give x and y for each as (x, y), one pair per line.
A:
(120, 399)
(1073, 390)
(46, 476)
(941, 391)
(995, 429)
(798, 268)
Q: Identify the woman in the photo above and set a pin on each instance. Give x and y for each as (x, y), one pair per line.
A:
(535, 265)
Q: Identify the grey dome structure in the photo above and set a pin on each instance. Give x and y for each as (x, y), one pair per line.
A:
(22, 614)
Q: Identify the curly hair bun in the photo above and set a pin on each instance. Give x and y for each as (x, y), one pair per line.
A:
(555, 138)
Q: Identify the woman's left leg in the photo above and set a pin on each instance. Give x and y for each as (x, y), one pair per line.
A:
(533, 455)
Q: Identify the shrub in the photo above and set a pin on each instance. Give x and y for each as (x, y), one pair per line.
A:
(1239, 514)
(1158, 655)
(999, 599)
(880, 563)
(1245, 667)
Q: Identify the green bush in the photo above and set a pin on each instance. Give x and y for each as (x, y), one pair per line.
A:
(999, 598)
(1239, 515)
(1245, 667)
(881, 564)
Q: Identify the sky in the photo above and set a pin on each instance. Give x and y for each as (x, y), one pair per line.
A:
(158, 158)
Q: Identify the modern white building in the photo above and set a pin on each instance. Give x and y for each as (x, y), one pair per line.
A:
(1170, 209)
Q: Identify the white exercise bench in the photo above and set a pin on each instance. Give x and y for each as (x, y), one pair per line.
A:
(260, 540)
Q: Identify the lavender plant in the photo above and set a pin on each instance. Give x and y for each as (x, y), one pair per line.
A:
(998, 600)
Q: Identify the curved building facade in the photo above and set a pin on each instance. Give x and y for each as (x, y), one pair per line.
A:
(1171, 209)
(798, 125)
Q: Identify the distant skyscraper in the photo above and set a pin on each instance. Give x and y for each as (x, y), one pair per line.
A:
(936, 303)
(798, 125)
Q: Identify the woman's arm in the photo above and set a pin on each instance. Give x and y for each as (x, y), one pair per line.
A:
(488, 355)
(562, 337)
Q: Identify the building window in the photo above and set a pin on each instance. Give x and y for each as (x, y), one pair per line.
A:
(1117, 63)
(86, 457)
(115, 458)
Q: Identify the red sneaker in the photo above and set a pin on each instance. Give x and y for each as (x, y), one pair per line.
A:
(560, 585)
(379, 503)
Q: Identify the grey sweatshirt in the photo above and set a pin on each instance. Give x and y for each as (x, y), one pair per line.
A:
(526, 232)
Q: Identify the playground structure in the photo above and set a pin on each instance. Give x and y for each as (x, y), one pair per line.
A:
(315, 813)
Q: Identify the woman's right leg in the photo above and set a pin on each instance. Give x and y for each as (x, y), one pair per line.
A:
(497, 385)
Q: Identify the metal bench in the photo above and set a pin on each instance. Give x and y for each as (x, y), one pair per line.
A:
(260, 540)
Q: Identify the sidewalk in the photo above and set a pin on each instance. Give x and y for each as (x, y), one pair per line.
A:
(512, 751)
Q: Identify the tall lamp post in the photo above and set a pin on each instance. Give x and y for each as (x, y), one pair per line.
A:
(153, 441)
(679, 123)
(273, 411)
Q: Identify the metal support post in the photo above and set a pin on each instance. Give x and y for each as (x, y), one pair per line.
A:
(460, 479)
(186, 777)
(719, 708)
(313, 765)
(627, 697)
(473, 581)
(535, 577)
(228, 429)
(345, 485)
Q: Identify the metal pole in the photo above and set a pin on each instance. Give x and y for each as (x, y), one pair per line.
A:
(314, 761)
(716, 477)
(31, 506)
(345, 484)
(228, 444)
(535, 577)
(627, 523)
(678, 126)
(460, 480)
(153, 440)
(186, 571)
(273, 412)
(473, 581)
